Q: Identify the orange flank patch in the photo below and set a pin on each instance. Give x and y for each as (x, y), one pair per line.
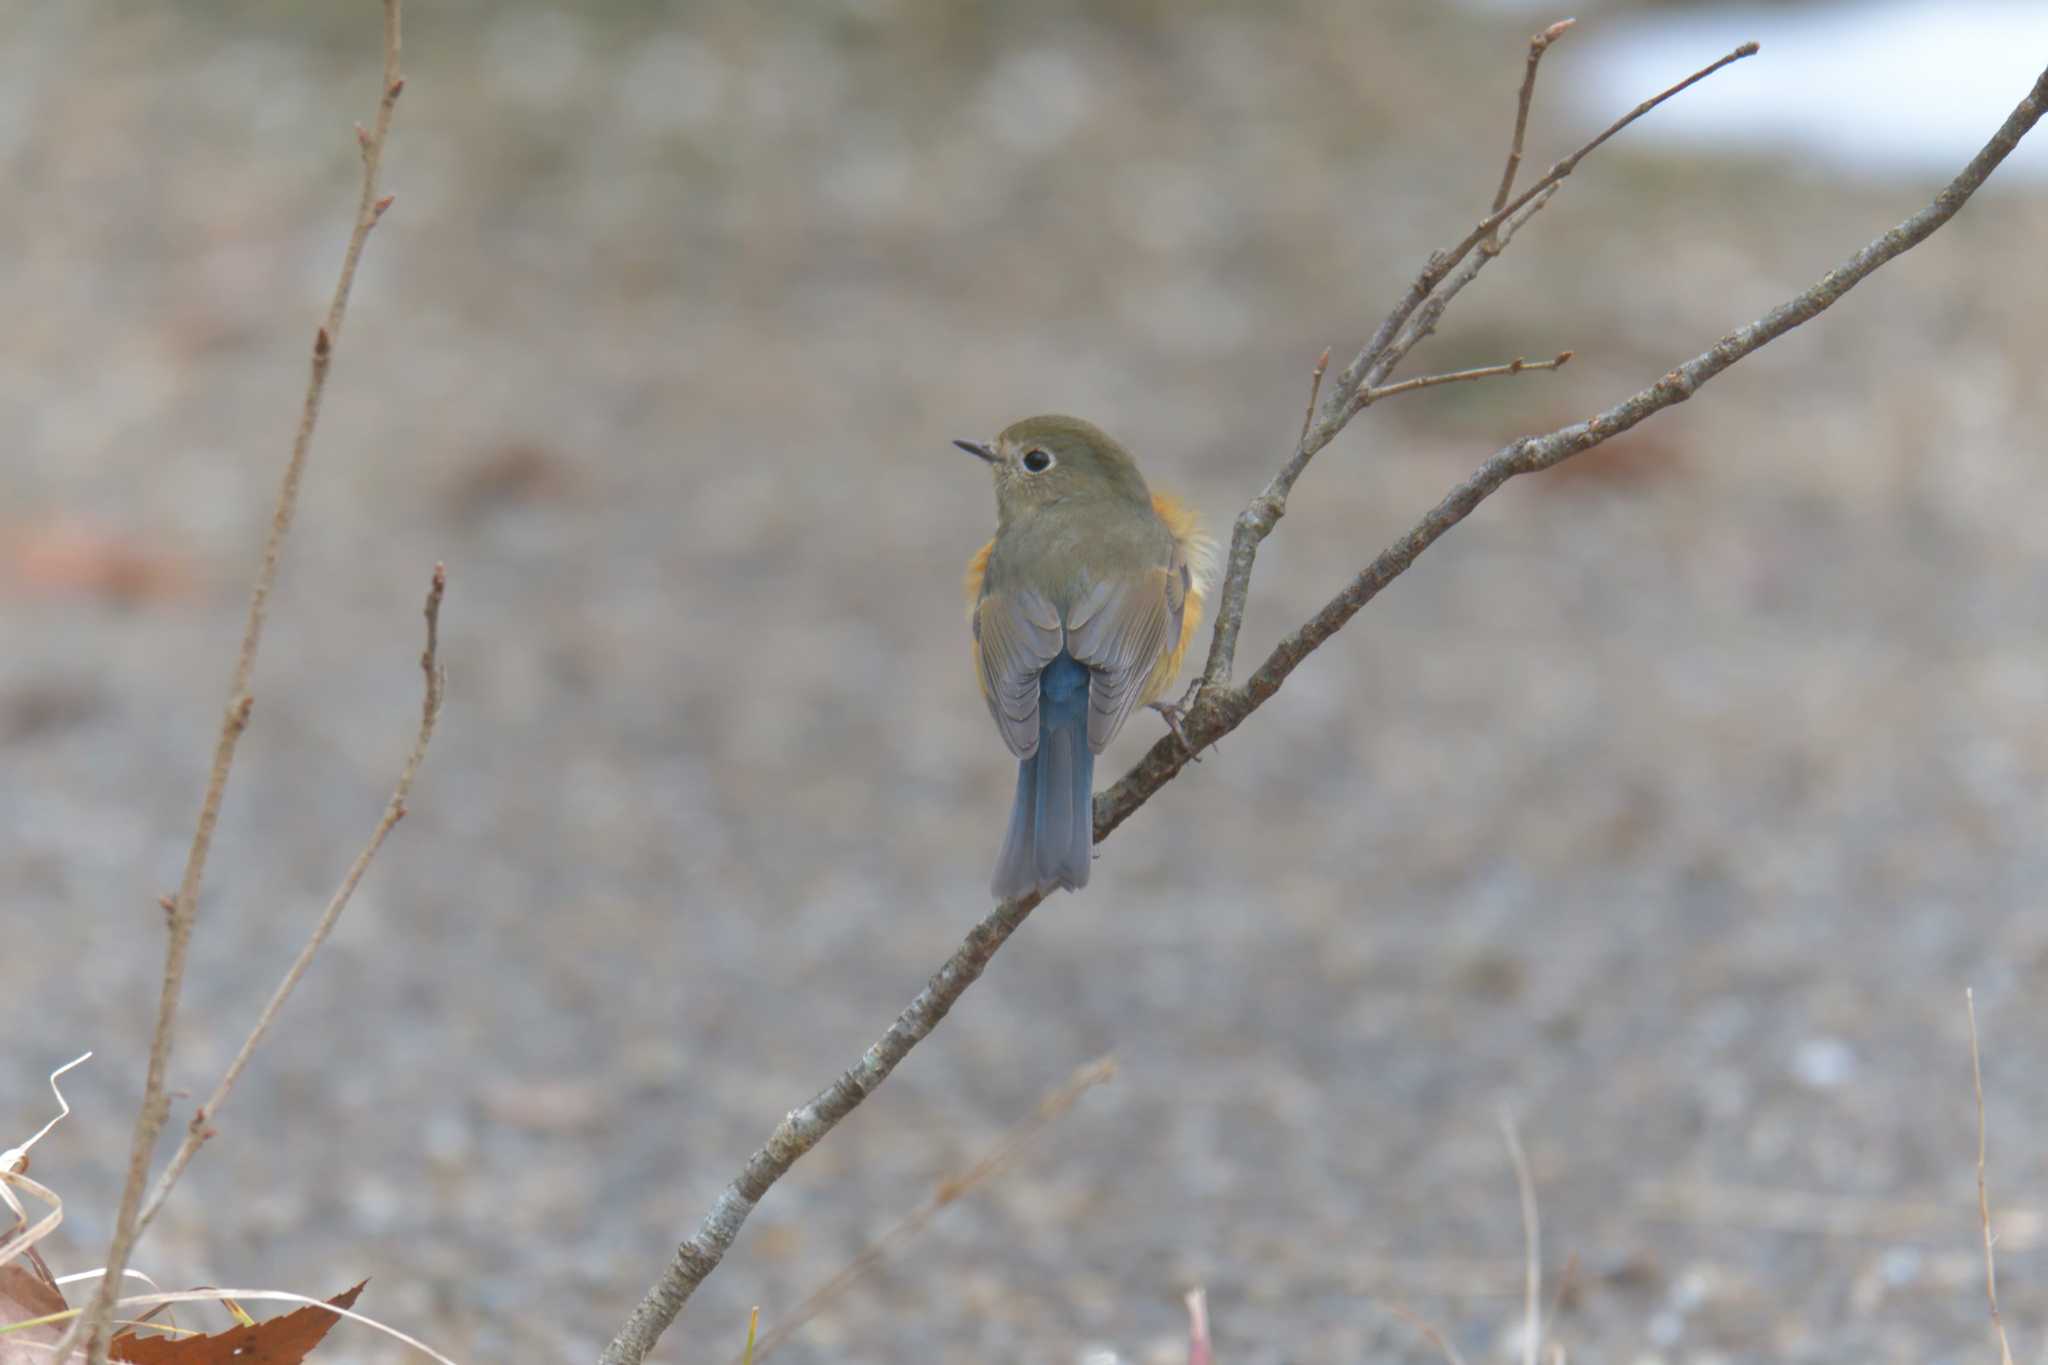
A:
(977, 568)
(1200, 552)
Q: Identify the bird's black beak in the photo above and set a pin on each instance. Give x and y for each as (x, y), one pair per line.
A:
(977, 448)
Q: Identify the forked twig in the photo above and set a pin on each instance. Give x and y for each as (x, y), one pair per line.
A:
(155, 1107)
(1538, 45)
(1423, 325)
(1376, 360)
(1222, 708)
(1367, 363)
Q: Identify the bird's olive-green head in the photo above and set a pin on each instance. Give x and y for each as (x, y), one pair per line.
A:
(1043, 460)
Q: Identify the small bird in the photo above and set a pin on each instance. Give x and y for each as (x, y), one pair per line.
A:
(1082, 607)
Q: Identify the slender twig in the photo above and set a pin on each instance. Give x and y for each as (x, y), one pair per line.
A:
(1983, 1195)
(1049, 1110)
(1367, 397)
(155, 1107)
(1263, 513)
(1223, 710)
(1538, 45)
(1532, 1243)
(201, 1127)
(1423, 325)
(1315, 388)
(1244, 548)
(1443, 262)
(1376, 360)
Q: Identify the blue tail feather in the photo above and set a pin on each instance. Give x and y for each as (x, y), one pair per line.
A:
(1052, 822)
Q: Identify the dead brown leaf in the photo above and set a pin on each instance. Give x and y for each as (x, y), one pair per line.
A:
(282, 1340)
(28, 1290)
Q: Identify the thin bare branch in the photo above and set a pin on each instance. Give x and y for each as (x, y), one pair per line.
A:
(1363, 367)
(1259, 518)
(1048, 1111)
(1410, 320)
(1367, 397)
(1983, 1196)
(1538, 45)
(1423, 325)
(1250, 529)
(802, 1128)
(155, 1108)
(1531, 454)
(201, 1127)
(1222, 710)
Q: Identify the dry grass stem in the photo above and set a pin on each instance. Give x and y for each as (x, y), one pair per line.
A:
(1532, 1244)
(23, 1234)
(1983, 1195)
(155, 1106)
(212, 1295)
(1427, 1331)
(1050, 1110)
(1200, 1350)
(1222, 708)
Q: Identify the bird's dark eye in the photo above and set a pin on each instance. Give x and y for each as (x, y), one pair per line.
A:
(1037, 461)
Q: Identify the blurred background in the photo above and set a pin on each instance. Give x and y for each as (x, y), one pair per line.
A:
(1669, 804)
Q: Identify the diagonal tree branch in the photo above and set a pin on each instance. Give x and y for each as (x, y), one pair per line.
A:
(1222, 710)
(1220, 713)
(94, 1321)
(1049, 1110)
(1263, 513)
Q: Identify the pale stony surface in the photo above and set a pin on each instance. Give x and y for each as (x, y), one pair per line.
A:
(1670, 804)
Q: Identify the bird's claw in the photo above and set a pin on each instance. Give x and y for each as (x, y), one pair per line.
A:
(1173, 713)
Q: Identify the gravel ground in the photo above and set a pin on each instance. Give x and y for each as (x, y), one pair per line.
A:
(1668, 805)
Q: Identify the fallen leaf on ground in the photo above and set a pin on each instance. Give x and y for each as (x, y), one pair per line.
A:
(282, 1340)
(28, 1290)
(69, 557)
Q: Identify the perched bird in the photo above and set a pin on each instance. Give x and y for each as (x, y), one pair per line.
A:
(1082, 607)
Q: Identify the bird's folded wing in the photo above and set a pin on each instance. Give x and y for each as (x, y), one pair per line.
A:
(1016, 634)
(1118, 630)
